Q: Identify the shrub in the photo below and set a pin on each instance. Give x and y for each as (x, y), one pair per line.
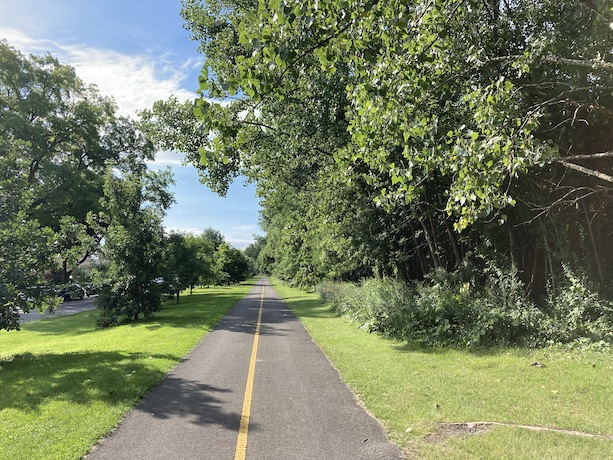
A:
(474, 307)
(577, 313)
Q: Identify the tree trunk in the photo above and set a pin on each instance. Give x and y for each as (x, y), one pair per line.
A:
(593, 242)
(64, 271)
(537, 280)
(431, 244)
(495, 17)
(454, 243)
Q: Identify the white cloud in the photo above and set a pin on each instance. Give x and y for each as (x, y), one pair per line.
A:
(168, 157)
(134, 81)
(241, 236)
(25, 43)
(239, 243)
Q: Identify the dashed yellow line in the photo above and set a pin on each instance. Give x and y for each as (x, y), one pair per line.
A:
(241, 442)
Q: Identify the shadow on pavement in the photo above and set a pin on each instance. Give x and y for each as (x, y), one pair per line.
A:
(201, 403)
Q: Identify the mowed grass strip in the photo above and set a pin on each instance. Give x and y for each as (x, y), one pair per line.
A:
(412, 390)
(65, 384)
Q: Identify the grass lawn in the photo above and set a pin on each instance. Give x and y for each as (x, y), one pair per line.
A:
(413, 390)
(65, 384)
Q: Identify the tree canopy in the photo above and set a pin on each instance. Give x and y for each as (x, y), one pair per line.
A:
(396, 138)
(58, 138)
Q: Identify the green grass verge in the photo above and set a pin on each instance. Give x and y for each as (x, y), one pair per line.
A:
(412, 390)
(65, 384)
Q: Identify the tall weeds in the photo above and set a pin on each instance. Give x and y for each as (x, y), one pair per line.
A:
(465, 310)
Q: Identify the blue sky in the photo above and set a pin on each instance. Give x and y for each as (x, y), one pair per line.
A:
(138, 52)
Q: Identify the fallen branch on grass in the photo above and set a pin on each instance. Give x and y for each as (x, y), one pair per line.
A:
(448, 429)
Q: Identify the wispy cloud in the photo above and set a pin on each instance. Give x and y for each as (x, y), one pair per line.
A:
(241, 236)
(239, 243)
(168, 158)
(25, 43)
(134, 81)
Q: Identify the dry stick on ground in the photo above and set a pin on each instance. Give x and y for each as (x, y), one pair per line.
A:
(449, 429)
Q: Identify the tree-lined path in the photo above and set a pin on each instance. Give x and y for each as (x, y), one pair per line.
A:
(299, 409)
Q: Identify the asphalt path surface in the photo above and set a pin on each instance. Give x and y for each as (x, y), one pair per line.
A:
(300, 409)
(68, 307)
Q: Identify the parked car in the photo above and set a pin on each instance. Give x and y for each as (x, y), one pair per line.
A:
(71, 291)
(41, 290)
(92, 289)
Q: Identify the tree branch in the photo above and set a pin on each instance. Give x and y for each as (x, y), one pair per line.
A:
(592, 5)
(584, 170)
(591, 64)
(589, 156)
(263, 125)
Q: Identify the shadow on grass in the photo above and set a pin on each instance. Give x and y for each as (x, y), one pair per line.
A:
(494, 350)
(198, 310)
(77, 324)
(30, 382)
(201, 309)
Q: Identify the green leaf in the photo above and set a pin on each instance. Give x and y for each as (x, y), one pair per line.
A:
(203, 158)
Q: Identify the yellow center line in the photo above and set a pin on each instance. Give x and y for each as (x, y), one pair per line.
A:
(241, 442)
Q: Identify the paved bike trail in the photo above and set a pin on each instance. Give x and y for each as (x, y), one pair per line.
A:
(300, 408)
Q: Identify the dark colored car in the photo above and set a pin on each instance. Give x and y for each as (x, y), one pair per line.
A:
(70, 291)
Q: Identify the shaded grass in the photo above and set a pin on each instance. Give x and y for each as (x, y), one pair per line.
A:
(65, 384)
(411, 390)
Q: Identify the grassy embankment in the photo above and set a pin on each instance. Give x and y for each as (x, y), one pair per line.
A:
(412, 391)
(65, 384)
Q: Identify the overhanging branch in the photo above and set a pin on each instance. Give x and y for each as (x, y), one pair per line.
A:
(588, 171)
(590, 156)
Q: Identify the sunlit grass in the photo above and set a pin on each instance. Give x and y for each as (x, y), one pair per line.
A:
(411, 390)
(65, 384)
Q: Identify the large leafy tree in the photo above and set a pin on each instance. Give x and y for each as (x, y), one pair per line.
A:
(253, 252)
(133, 207)
(188, 261)
(204, 250)
(25, 246)
(67, 133)
(58, 137)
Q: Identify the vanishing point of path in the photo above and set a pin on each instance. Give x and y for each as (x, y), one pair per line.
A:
(256, 387)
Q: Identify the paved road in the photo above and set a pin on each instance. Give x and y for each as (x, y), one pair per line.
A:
(300, 409)
(65, 308)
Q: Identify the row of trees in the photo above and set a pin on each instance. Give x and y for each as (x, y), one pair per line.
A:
(400, 138)
(145, 265)
(74, 183)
